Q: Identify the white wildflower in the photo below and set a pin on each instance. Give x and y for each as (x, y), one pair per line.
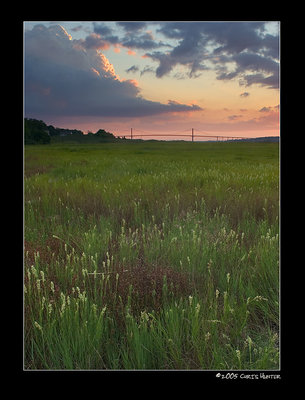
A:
(260, 298)
(38, 326)
(43, 300)
(94, 308)
(207, 336)
(42, 276)
(34, 271)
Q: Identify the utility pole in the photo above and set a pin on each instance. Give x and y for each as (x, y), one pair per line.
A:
(192, 134)
(131, 133)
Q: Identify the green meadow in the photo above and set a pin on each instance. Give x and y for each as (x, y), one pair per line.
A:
(151, 255)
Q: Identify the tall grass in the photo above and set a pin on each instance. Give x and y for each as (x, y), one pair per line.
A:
(151, 256)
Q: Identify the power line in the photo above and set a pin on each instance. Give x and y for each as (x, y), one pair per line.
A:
(136, 132)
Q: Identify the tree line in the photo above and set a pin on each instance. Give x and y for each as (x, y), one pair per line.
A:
(38, 132)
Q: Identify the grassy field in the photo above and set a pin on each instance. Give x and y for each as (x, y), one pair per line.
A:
(151, 256)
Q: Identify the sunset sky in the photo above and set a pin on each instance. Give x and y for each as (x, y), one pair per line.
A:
(220, 78)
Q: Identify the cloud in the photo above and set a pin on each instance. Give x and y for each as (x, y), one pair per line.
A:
(271, 81)
(255, 62)
(147, 69)
(265, 109)
(94, 41)
(270, 109)
(245, 94)
(133, 68)
(72, 77)
(234, 117)
(133, 38)
(245, 46)
(104, 30)
(144, 41)
(132, 26)
(245, 51)
(235, 37)
(188, 52)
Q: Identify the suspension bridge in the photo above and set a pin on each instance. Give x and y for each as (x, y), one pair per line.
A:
(135, 133)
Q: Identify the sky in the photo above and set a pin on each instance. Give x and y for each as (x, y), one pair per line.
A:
(156, 77)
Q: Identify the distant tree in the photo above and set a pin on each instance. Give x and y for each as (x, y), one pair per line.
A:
(101, 133)
(53, 131)
(76, 132)
(36, 132)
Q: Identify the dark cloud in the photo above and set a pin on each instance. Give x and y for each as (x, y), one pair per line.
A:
(147, 69)
(102, 29)
(93, 41)
(133, 68)
(222, 73)
(235, 50)
(234, 117)
(265, 109)
(270, 46)
(234, 37)
(63, 79)
(255, 62)
(133, 38)
(166, 64)
(188, 52)
(144, 41)
(106, 33)
(132, 26)
(246, 45)
(271, 81)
